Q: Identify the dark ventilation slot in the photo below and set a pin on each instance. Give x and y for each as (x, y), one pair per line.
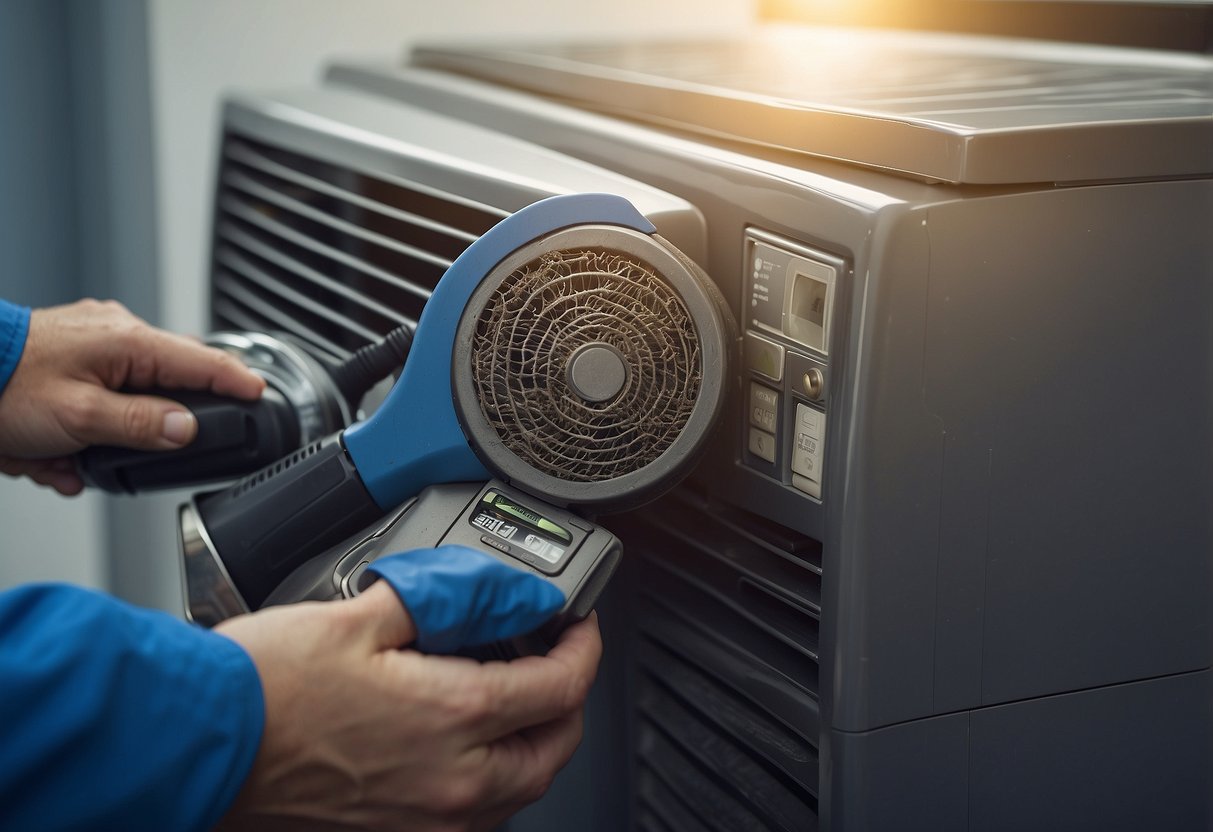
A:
(727, 624)
(664, 807)
(334, 256)
(785, 696)
(782, 749)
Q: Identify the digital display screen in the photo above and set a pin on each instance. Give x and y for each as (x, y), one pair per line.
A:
(520, 526)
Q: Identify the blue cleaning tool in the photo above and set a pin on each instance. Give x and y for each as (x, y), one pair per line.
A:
(421, 404)
(266, 525)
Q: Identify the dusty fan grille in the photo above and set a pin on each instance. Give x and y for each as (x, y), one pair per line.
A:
(533, 324)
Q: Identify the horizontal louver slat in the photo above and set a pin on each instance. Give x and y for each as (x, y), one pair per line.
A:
(243, 267)
(732, 715)
(302, 274)
(789, 700)
(240, 182)
(658, 799)
(726, 657)
(237, 292)
(334, 255)
(801, 549)
(459, 239)
(328, 256)
(386, 189)
(684, 590)
(716, 808)
(783, 576)
(778, 803)
(779, 744)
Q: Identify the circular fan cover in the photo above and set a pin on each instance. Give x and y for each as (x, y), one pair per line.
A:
(568, 416)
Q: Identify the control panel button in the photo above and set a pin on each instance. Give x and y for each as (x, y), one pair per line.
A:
(764, 407)
(762, 444)
(808, 446)
(813, 383)
(763, 356)
(808, 376)
(808, 486)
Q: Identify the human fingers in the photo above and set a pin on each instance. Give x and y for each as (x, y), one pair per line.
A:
(521, 767)
(92, 415)
(382, 620)
(154, 357)
(460, 597)
(59, 474)
(538, 689)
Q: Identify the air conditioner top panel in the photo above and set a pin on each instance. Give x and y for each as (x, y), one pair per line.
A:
(942, 107)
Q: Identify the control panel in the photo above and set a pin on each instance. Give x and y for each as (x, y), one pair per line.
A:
(789, 315)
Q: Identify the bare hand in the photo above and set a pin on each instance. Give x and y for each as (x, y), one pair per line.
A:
(62, 398)
(362, 735)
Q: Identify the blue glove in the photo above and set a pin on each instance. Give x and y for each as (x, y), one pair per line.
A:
(459, 597)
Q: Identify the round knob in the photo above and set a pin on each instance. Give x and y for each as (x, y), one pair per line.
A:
(814, 383)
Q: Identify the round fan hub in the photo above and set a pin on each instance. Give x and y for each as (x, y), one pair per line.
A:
(597, 372)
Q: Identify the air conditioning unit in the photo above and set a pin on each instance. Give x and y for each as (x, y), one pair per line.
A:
(947, 564)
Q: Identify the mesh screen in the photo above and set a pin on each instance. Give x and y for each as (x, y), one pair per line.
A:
(535, 321)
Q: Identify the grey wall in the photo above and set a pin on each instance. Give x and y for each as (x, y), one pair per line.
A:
(77, 218)
(42, 536)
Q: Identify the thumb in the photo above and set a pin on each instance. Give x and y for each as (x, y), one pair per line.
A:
(382, 617)
(147, 423)
(459, 597)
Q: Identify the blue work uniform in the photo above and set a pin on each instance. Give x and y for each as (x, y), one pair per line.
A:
(111, 716)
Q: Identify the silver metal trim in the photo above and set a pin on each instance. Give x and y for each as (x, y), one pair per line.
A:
(210, 594)
(296, 375)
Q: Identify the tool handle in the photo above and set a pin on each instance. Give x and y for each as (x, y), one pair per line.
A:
(270, 523)
(234, 437)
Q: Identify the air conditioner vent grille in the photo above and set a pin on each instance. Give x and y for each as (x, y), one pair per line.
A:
(726, 655)
(331, 255)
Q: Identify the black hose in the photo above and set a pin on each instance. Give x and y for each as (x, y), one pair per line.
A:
(362, 370)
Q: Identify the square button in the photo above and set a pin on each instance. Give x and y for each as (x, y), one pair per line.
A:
(763, 356)
(807, 443)
(764, 407)
(762, 444)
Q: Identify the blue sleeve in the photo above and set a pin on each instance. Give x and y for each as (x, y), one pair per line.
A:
(14, 326)
(116, 717)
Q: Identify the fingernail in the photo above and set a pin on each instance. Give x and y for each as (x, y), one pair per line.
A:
(178, 426)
